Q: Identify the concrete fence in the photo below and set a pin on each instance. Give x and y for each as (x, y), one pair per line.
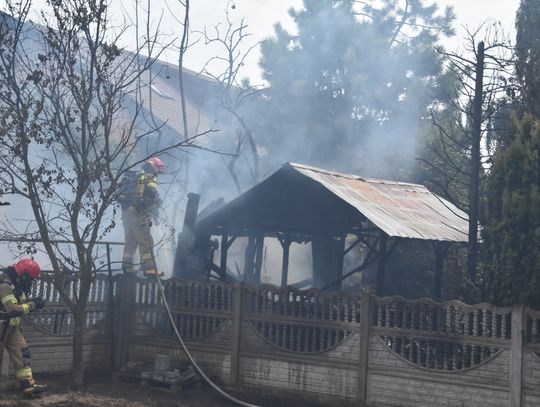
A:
(312, 344)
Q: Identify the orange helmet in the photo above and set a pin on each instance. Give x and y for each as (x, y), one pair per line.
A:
(29, 267)
(157, 164)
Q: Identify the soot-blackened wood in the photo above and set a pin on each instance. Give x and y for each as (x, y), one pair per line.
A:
(441, 250)
(249, 260)
(224, 250)
(186, 255)
(286, 245)
(474, 187)
(381, 267)
(259, 253)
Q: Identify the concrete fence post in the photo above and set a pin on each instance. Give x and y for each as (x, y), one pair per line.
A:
(516, 356)
(124, 318)
(238, 305)
(365, 325)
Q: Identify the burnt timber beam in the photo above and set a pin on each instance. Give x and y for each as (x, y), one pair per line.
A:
(259, 252)
(381, 267)
(286, 245)
(441, 250)
(225, 244)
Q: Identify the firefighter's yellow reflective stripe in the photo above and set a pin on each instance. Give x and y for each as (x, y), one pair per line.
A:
(25, 373)
(146, 256)
(10, 298)
(26, 308)
(15, 321)
(141, 188)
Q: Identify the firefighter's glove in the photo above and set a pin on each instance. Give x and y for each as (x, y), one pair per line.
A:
(39, 302)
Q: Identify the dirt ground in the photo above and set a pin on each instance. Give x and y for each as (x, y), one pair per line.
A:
(100, 391)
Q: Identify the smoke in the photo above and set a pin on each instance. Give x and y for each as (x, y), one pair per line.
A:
(345, 93)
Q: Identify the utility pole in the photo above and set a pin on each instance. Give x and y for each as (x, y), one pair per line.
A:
(474, 187)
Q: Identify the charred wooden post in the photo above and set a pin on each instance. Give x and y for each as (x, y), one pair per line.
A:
(249, 260)
(286, 245)
(259, 252)
(327, 254)
(441, 250)
(186, 240)
(225, 243)
(381, 267)
(341, 251)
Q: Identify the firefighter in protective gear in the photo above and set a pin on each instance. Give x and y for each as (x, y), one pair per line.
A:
(139, 210)
(15, 287)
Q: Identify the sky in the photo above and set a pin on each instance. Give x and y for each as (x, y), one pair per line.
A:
(261, 15)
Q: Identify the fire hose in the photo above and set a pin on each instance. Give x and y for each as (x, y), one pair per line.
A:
(222, 392)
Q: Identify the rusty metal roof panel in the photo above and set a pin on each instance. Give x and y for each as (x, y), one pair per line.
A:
(399, 209)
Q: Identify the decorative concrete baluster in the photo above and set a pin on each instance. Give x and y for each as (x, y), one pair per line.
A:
(387, 315)
(450, 321)
(504, 327)
(465, 322)
(455, 360)
(379, 314)
(429, 354)
(486, 328)
(534, 330)
(476, 322)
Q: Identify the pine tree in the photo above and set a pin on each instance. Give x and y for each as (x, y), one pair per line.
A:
(350, 89)
(528, 53)
(512, 227)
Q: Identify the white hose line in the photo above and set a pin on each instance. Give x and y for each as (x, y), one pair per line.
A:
(188, 354)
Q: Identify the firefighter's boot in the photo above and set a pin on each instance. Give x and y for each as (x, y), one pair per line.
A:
(31, 389)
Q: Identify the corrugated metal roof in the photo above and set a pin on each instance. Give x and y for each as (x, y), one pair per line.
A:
(399, 209)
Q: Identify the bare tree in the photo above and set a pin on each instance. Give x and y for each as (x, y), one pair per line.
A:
(470, 126)
(70, 128)
(234, 94)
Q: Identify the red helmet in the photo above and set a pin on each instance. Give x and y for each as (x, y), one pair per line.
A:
(29, 267)
(157, 164)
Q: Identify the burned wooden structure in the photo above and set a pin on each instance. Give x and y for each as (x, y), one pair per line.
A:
(299, 203)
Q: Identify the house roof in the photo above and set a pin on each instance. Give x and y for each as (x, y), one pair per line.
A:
(161, 94)
(303, 198)
(201, 98)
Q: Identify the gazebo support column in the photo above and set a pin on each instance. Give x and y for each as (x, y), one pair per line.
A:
(327, 255)
(441, 250)
(286, 245)
(249, 260)
(259, 253)
(225, 244)
(340, 260)
(381, 267)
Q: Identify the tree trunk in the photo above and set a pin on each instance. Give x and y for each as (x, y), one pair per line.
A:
(474, 191)
(79, 329)
(78, 347)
